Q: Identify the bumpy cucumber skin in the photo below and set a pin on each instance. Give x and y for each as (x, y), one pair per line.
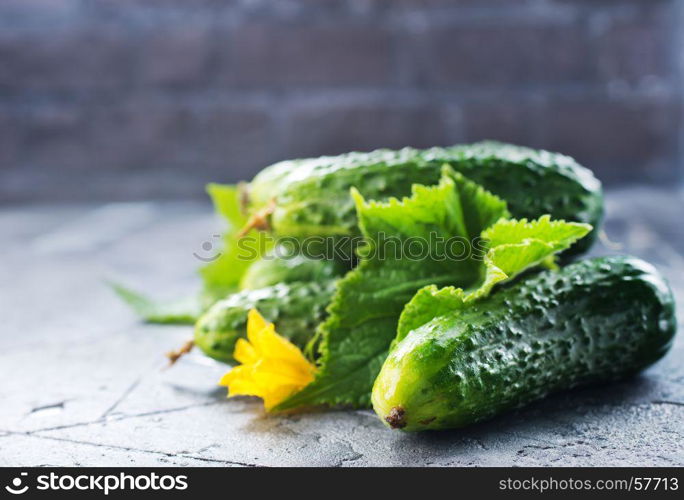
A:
(312, 195)
(591, 322)
(275, 269)
(295, 308)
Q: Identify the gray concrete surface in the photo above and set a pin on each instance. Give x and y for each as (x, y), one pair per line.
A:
(82, 381)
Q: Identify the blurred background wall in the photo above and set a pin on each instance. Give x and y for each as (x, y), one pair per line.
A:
(133, 99)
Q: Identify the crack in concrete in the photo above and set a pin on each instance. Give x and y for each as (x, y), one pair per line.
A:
(284, 424)
(353, 458)
(114, 419)
(127, 392)
(354, 454)
(54, 406)
(138, 450)
(121, 398)
(665, 402)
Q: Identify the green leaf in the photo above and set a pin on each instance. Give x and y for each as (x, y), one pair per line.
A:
(516, 245)
(557, 233)
(222, 276)
(512, 247)
(185, 311)
(365, 309)
(429, 302)
(226, 200)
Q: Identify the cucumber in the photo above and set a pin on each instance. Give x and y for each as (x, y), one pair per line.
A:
(295, 308)
(310, 197)
(282, 266)
(591, 322)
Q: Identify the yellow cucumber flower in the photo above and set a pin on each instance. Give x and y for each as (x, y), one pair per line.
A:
(271, 368)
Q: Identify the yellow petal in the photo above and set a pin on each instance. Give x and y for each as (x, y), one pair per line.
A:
(278, 394)
(262, 343)
(273, 346)
(244, 352)
(255, 323)
(243, 388)
(272, 368)
(290, 371)
(236, 373)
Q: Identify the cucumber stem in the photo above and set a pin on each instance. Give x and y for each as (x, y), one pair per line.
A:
(175, 355)
(259, 220)
(396, 418)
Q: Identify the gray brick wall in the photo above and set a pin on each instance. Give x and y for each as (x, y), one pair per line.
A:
(127, 99)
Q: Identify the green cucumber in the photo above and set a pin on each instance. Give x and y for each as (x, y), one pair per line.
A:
(295, 308)
(593, 321)
(310, 197)
(281, 266)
